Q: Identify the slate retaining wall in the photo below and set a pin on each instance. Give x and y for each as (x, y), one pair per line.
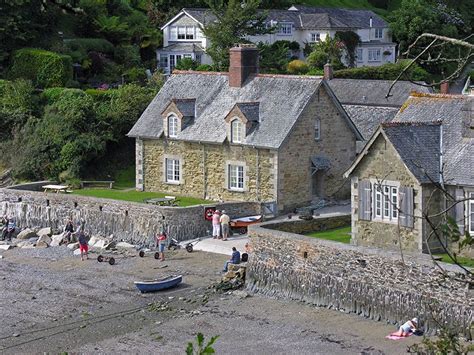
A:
(366, 281)
(128, 221)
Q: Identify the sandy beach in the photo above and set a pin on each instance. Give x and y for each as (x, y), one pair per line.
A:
(54, 302)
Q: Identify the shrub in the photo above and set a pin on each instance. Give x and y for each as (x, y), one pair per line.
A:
(204, 67)
(44, 68)
(386, 72)
(315, 71)
(297, 67)
(135, 75)
(186, 64)
(127, 55)
(471, 75)
(85, 45)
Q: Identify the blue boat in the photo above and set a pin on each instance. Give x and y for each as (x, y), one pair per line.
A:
(158, 285)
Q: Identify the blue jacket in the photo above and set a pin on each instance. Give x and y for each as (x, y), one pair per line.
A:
(235, 259)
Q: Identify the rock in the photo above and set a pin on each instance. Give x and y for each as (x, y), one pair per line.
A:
(26, 244)
(44, 239)
(229, 274)
(56, 240)
(1, 256)
(73, 246)
(42, 244)
(125, 245)
(26, 234)
(44, 232)
(241, 294)
(77, 252)
(5, 247)
(93, 241)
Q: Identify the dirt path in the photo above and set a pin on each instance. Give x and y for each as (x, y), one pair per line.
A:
(52, 302)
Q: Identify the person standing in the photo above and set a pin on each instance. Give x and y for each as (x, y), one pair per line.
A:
(216, 224)
(11, 226)
(4, 222)
(225, 219)
(83, 246)
(68, 230)
(161, 241)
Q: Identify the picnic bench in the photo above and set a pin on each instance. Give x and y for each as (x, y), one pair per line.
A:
(163, 201)
(56, 188)
(109, 183)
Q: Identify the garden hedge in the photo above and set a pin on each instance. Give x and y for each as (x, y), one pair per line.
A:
(44, 68)
(383, 72)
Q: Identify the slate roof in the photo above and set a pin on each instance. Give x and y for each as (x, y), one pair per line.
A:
(281, 101)
(368, 118)
(308, 17)
(418, 145)
(251, 110)
(454, 112)
(373, 92)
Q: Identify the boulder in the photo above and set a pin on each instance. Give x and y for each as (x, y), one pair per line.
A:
(41, 244)
(44, 232)
(5, 247)
(44, 239)
(26, 234)
(73, 246)
(125, 245)
(56, 240)
(77, 252)
(26, 244)
(101, 244)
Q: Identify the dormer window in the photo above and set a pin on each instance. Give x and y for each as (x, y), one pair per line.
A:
(236, 128)
(172, 126)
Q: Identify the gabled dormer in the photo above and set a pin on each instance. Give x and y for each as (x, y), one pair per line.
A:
(178, 114)
(241, 120)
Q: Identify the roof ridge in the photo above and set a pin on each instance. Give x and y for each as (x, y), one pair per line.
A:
(411, 123)
(416, 94)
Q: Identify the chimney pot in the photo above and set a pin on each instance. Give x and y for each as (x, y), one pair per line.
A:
(444, 88)
(328, 73)
(243, 63)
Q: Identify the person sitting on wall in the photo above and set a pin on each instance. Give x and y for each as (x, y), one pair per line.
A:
(4, 222)
(407, 328)
(68, 231)
(234, 259)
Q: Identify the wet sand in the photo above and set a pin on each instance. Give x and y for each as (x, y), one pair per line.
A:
(54, 302)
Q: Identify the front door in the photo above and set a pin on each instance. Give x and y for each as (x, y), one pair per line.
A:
(317, 183)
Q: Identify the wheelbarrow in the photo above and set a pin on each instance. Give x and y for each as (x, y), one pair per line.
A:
(142, 253)
(105, 258)
(188, 244)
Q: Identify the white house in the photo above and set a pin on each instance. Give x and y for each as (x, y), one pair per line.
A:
(183, 38)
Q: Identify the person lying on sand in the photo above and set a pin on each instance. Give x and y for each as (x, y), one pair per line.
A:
(407, 328)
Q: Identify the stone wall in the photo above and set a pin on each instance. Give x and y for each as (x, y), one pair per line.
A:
(300, 226)
(204, 170)
(382, 163)
(337, 143)
(129, 221)
(361, 280)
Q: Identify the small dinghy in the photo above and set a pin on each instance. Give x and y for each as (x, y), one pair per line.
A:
(158, 285)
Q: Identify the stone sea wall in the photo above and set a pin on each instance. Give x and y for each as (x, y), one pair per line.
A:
(128, 221)
(366, 281)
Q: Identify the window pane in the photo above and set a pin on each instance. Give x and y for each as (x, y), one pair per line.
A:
(386, 200)
(394, 202)
(172, 126)
(471, 213)
(172, 170)
(181, 32)
(173, 33)
(190, 32)
(317, 129)
(236, 131)
(236, 177)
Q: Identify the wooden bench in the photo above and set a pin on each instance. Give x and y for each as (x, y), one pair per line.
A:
(108, 183)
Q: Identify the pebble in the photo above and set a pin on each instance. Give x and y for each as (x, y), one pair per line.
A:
(15, 335)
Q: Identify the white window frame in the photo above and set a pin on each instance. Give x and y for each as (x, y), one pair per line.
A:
(315, 37)
(317, 129)
(172, 121)
(374, 57)
(385, 203)
(378, 33)
(360, 55)
(236, 177)
(285, 29)
(173, 33)
(471, 213)
(172, 171)
(236, 130)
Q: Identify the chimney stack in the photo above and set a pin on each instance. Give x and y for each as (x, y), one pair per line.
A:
(370, 22)
(243, 63)
(444, 88)
(328, 73)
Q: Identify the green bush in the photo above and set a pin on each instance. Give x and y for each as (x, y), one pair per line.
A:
(297, 67)
(314, 71)
(44, 68)
(135, 75)
(86, 45)
(127, 55)
(186, 64)
(204, 67)
(386, 72)
(471, 75)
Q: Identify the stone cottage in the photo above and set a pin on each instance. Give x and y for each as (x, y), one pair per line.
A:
(395, 180)
(245, 136)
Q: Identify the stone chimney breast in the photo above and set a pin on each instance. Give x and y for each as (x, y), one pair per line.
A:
(328, 73)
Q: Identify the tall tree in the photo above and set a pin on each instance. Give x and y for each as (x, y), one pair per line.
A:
(236, 20)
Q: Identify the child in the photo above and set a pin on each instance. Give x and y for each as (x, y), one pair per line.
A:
(161, 240)
(83, 246)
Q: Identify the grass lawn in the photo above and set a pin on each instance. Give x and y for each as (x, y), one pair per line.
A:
(351, 4)
(137, 196)
(463, 261)
(341, 235)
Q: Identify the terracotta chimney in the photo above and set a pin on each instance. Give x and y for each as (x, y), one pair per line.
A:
(444, 88)
(328, 73)
(243, 63)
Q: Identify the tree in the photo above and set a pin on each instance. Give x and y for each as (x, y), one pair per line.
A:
(274, 57)
(327, 51)
(350, 40)
(235, 21)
